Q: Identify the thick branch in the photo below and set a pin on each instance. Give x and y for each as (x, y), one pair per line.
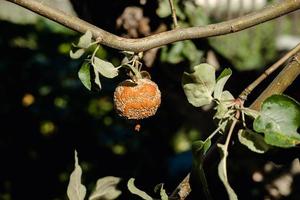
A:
(160, 39)
(284, 79)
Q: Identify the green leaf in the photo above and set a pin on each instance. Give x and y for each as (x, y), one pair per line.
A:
(199, 149)
(84, 75)
(77, 54)
(105, 68)
(76, 191)
(179, 51)
(191, 52)
(225, 101)
(106, 188)
(173, 54)
(163, 194)
(196, 14)
(199, 85)
(97, 79)
(163, 9)
(85, 40)
(222, 171)
(221, 81)
(254, 141)
(251, 113)
(279, 120)
(136, 191)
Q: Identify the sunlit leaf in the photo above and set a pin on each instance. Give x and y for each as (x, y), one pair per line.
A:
(279, 120)
(106, 189)
(85, 40)
(105, 68)
(225, 101)
(97, 79)
(222, 171)
(254, 141)
(199, 85)
(221, 81)
(163, 194)
(251, 113)
(76, 191)
(134, 190)
(85, 76)
(77, 54)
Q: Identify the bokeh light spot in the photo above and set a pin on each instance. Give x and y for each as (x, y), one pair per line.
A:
(27, 100)
(47, 128)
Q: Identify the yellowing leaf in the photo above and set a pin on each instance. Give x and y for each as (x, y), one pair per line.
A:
(76, 191)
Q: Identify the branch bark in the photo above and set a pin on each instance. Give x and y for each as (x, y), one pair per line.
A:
(282, 81)
(138, 45)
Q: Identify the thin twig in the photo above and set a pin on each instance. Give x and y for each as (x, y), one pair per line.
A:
(232, 126)
(284, 79)
(271, 69)
(173, 11)
(157, 40)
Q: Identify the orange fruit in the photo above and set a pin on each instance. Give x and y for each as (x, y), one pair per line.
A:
(137, 100)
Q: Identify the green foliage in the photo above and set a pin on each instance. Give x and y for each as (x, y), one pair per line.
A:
(97, 65)
(221, 81)
(134, 190)
(196, 15)
(188, 15)
(106, 189)
(84, 75)
(279, 120)
(199, 150)
(164, 10)
(105, 68)
(85, 41)
(76, 191)
(254, 141)
(77, 54)
(226, 100)
(180, 51)
(163, 193)
(222, 171)
(199, 85)
(250, 49)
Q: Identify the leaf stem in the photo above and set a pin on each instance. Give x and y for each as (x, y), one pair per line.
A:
(266, 73)
(94, 53)
(173, 11)
(204, 183)
(233, 124)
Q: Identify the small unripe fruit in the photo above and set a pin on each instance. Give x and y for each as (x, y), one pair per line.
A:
(137, 100)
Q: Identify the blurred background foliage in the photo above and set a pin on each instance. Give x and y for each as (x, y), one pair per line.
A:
(46, 113)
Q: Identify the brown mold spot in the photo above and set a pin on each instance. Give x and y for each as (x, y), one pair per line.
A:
(137, 100)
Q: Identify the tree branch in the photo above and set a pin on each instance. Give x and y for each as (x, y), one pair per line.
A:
(160, 39)
(173, 11)
(284, 79)
(267, 72)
